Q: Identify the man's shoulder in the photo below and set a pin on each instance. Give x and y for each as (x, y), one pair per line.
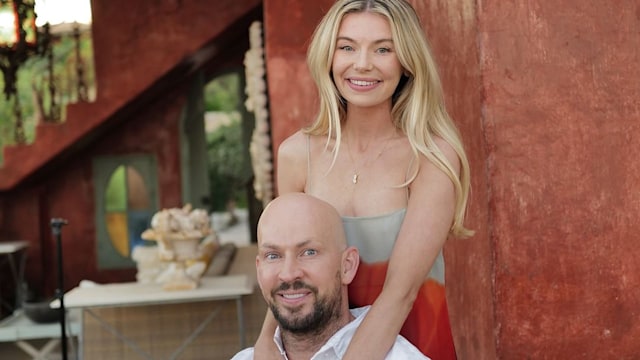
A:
(246, 354)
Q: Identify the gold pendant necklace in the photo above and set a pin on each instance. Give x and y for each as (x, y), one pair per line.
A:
(355, 177)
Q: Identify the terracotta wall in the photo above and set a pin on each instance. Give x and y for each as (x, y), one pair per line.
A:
(545, 95)
(452, 30)
(137, 40)
(561, 116)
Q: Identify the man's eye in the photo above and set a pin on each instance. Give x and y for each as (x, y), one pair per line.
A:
(309, 252)
(271, 256)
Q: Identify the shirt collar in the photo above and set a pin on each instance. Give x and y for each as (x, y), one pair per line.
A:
(277, 338)
(337, 344)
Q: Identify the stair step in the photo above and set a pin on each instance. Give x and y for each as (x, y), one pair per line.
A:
(51, 138)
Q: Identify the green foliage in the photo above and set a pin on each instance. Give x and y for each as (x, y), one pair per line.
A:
(33, 77)
(225, 156)
(222, 94)
(225, 149)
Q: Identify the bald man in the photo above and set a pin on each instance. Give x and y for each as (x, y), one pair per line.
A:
(304, 267)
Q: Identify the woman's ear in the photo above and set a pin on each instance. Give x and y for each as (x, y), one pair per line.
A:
(350, 263)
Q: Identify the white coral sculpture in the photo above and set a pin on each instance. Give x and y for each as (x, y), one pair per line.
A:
(260, 147)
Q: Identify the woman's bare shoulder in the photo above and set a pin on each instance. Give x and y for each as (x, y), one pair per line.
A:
(294, 142)
(293, 148)
(300, 144)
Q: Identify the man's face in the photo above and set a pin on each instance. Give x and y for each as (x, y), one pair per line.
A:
(299, 267)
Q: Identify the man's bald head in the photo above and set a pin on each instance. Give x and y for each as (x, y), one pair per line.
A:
(302, 213)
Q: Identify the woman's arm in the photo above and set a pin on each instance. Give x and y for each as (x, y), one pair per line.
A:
(265, 348)
(425, 228)
(291, 177)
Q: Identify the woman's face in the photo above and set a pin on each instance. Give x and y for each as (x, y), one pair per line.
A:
(365, 66)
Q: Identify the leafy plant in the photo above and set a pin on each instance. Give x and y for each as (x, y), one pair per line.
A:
(225, 155)
(224, 144)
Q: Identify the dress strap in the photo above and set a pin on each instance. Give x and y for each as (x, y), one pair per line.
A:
(406, 176)
(308, 159)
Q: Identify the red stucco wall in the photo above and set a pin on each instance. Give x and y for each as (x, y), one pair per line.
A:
(136, 40)
(451, 27)
(561, 116)
(292, 95)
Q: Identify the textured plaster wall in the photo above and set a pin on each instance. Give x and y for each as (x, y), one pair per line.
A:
(452, 30)
(292, 94)
(562, 118)
(136, 40)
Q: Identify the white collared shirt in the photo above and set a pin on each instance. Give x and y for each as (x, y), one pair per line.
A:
(336, 346)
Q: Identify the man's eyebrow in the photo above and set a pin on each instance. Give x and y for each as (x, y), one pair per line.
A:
(270, 246)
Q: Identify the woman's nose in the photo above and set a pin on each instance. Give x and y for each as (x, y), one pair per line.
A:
(362, 62)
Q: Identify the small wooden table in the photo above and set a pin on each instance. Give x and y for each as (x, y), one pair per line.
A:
(134, 294)
(11, 249)
(18, 328)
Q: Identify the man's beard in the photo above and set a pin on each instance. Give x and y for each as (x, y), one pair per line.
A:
(325, 310)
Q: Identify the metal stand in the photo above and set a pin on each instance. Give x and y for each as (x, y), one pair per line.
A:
(56, 229)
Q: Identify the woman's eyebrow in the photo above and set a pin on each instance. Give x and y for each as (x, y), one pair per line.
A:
(346, 38)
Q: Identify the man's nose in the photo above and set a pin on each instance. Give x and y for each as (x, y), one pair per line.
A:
(290, 271)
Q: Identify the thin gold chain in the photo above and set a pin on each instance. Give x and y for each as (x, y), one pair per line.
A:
(356, 174)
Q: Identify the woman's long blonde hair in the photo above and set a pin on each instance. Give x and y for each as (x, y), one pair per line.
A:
(418, 104)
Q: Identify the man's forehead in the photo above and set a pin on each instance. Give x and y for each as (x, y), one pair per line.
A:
(282, 243)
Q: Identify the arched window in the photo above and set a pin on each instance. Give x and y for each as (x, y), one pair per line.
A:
(125, 202)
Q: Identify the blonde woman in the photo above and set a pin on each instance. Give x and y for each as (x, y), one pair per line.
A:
(384, 152)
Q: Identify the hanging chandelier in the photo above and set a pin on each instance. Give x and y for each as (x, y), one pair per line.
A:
(19, 40)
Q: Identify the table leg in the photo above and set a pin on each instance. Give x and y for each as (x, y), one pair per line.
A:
(35, 353)
(195, 333)
(17, 275)
(80, 351)
(240, 311)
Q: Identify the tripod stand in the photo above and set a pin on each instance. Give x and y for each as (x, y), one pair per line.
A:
(56, 229)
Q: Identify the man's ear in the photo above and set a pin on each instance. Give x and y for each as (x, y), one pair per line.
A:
(350, 263)
(258, 270)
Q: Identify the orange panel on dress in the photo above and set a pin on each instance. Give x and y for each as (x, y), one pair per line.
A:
(427, 325)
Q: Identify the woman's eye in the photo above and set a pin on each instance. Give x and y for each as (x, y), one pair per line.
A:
(383, 50)
(346, 48)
